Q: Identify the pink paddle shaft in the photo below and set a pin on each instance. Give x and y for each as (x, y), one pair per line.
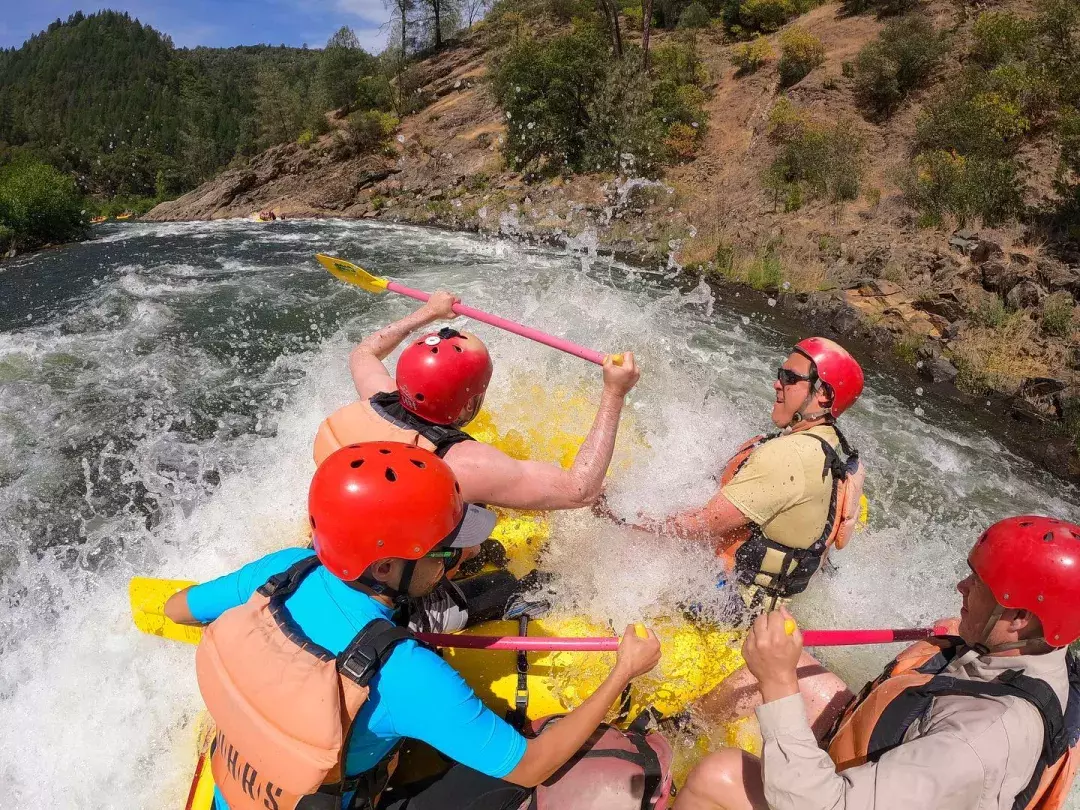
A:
(509, 326)
(811, 638)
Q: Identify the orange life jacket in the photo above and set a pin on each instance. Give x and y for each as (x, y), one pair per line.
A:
(283, 705)
(746, 555)
(876, 721)
(382, 418)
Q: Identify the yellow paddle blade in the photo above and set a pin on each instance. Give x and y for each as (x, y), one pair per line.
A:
(351, 274)
(148, 597)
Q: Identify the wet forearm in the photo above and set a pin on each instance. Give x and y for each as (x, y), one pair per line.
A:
(382, 343)
(561, 740)
(594, 455)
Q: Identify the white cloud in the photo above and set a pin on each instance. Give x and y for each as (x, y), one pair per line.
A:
(367, 18)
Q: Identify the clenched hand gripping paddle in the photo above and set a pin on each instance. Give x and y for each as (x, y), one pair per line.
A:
(359, 277)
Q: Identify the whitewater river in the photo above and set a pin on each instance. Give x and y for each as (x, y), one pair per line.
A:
(160, 387)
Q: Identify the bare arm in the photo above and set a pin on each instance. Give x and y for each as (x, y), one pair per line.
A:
(561, 740)
(488, 475)
(176, 609)
(366, 361)
(708, 524)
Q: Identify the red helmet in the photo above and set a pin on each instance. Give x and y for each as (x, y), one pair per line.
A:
(835, 367)
(443, 376)
(387, 499)
(1033, 563)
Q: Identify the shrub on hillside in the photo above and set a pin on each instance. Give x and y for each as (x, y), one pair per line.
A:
(39, 204)
(679, 62)
(544, 89)
(884, 8)
(411, 97)
(964, 187)
(750, 56)
(678, 102)
(367, 130)
(897, 62)
(1000, 35)
(374, 93)
(982, 124)
(1059, 314)
(694, 15)
(815, 161)
(623, 131)
(800, 52)
(747, 16)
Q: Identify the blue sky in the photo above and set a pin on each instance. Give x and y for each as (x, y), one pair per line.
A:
(215, 22)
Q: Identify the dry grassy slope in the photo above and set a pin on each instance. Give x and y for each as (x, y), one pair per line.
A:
(445, 168)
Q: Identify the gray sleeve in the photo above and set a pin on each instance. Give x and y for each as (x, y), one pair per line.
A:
(939, 770)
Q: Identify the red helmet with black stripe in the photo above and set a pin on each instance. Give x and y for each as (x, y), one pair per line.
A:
(834, 366)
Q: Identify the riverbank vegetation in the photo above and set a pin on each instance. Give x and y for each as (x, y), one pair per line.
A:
(38, 205)
(583, 100)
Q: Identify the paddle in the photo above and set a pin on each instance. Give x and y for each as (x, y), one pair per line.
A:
(358, 276)
(148, 597)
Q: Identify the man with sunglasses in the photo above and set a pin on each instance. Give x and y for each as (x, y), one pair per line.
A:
(787, 497)
(387, 519)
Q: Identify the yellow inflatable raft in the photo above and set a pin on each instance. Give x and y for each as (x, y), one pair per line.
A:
(695, 659)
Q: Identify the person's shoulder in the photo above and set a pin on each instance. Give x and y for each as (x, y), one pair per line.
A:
(779, 453)
(285, 557)
(412, 666)
(989, 723)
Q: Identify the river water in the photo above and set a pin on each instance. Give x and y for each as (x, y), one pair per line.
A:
(160, 386)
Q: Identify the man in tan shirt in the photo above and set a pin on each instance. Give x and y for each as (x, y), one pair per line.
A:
(987, 720)
(785, 499)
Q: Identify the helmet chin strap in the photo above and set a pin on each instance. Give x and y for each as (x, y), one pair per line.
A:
(800, 415)
(980, 648)
(400, 594)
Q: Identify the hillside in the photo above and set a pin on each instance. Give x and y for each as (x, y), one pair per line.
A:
(845, 213)
(112, 102)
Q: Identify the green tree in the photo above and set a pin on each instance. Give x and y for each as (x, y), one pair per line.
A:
(545, 90)
(342, 64)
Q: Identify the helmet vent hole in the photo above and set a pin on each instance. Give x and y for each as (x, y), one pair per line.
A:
(1026, 523)
(419, 397)
(457, 487)
(1048, 537)
(384, 451)
(357, 464)
(310, 518)
(458, 349)
(391, 476)
(417, 463)
(434, 349)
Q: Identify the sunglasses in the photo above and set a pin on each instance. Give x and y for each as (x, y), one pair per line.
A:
(450, 556)
(788, 377)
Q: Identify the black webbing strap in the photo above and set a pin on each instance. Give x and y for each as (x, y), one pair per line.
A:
(285, 584)
(913, 703)
(370, 649)
(389, 407)
(644, 757)
(518, 716)
(365, 787)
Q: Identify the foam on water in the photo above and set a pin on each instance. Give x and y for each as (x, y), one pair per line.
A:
(159, 423)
